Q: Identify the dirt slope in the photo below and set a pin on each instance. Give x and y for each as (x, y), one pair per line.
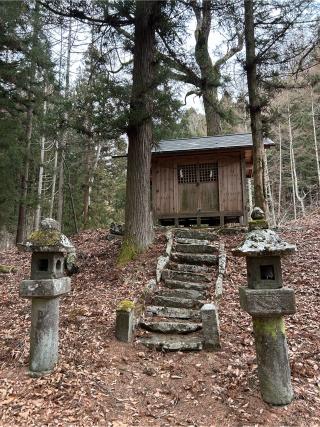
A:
(100, 381)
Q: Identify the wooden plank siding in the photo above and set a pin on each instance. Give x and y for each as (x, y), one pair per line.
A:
(173, 199)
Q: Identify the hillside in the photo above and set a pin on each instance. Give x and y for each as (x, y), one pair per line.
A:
(100, 381)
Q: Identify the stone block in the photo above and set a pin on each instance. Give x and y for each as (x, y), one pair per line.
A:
(47, 265)
(45, 288)
(267, 302)
(125, 321)
(210, 327)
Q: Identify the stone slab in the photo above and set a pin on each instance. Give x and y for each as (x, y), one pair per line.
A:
(189, 268)
(186, 277)
(172, 312)
(190, 258)
(267, 302)
(196, 248)
(172, 342)
(195, 234)
(124, 325)
(171, 327)
(176, 302)
(182, 293)
(179, 284)
(45, 288)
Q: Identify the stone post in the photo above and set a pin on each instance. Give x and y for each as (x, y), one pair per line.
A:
(125, 321)
(267, 301)
(210, 327)
(47, 283)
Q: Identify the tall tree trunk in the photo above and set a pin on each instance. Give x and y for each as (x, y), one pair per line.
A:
(315, 136)
(91, 166)
(138, 224)
(63, 142)
(270, 201)
(22, 215)
(255, 108)
(54, 179)
(293, 169)
(280, 173)
(41, 170)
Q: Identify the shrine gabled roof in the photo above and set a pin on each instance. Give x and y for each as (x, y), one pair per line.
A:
(218, 142)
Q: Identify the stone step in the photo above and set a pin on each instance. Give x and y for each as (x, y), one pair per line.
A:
(190, 258)
(182, 293)
(195, 234)
(170, 327)
(165, 301)
(189, 267)
(193, 241)
(179, 284)
(173, 342)
(195, 248)
(172, 312)
(186, 277)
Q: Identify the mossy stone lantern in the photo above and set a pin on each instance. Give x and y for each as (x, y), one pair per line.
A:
(49, 248)
(267, 301)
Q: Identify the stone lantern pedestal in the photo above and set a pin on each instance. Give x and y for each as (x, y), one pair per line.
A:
(267, 301)
(47, 284)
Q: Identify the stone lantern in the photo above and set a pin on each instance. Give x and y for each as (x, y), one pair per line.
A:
(267, 301)
(49, 248)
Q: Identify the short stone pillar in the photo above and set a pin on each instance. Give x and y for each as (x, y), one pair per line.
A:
(49, 248)
(125, 321)
(210, 327)
(267, 301)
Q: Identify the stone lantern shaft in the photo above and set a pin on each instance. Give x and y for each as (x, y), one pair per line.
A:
(267, 301)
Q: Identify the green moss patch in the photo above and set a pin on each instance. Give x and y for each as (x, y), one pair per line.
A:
(125, 305)
(270, 327)
(45, 238)
(128, 252)
(7, 269)
(258, 224)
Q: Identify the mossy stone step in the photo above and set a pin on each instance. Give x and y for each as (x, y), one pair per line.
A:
(196, 248)
(176, 302)
(194, 258)
(179, 284)
(172, 312)
(189, 268)
(173, 342)
(195, 234)
(182, 293)
(170, 327)
(186, 276)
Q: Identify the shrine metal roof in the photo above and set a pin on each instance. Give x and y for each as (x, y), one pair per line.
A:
(229, 141)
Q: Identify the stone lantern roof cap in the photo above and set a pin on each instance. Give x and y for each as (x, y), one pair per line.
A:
(48, 239)
(263, 242)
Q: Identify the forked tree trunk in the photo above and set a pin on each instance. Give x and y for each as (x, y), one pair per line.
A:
(138, 224)
(255, 109)
(209, 75)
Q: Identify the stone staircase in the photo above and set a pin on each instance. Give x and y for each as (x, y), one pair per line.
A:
(172, 318)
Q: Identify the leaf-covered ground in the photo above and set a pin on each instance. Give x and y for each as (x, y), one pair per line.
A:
(100, 381)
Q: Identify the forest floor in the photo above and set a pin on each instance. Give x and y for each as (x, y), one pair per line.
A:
(100, 381)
